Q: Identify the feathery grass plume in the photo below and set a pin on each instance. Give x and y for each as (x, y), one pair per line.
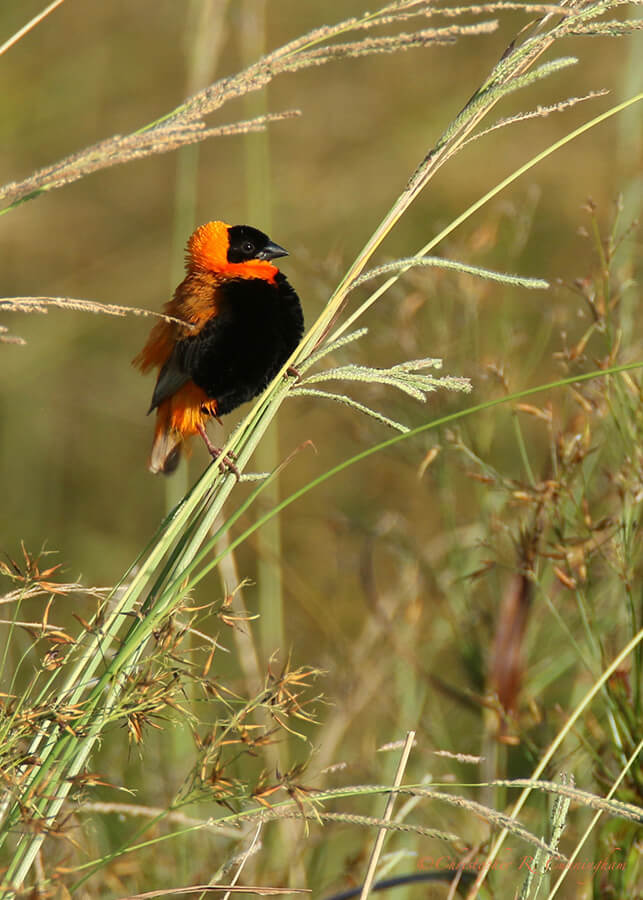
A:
(403, 265)
(121, 149)
(184, 125)
(606, 29)
(345, 400)
(366, 821)
(42, 304)
(541, 112)
(406, 377)
(212, 888)
(566, 790)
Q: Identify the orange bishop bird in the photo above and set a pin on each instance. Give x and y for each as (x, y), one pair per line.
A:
(242, 321)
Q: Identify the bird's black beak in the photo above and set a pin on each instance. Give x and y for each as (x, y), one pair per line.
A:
(271, 251)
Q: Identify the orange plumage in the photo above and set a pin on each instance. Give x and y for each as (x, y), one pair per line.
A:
(242, 321)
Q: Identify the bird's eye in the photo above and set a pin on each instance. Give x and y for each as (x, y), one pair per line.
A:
(248, 247)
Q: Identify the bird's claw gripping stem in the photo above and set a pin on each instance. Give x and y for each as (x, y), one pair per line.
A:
(225, 462)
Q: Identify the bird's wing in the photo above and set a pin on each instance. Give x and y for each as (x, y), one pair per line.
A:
(171, 377)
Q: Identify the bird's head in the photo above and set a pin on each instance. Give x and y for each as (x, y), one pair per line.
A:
(239, 251)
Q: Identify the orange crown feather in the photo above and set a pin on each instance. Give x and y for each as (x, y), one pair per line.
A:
(208, 246)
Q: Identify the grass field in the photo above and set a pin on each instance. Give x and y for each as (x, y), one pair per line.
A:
(405, 649)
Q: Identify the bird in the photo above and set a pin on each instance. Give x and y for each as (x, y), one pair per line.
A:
(235, 320)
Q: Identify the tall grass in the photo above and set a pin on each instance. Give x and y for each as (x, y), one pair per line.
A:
(554, 558)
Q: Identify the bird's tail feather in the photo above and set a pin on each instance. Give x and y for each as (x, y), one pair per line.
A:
(167, 445)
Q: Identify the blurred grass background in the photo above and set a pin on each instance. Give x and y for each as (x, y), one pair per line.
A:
(373, 564)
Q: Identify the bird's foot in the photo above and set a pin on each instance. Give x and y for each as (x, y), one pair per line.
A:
(227, 462)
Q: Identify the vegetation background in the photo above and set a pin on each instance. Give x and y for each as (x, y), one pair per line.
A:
(392, 578)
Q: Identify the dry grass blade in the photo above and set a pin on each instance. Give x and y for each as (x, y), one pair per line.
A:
(218, 889)
(31, 24)
(388, 812)
(252, 848)
(38, 590)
